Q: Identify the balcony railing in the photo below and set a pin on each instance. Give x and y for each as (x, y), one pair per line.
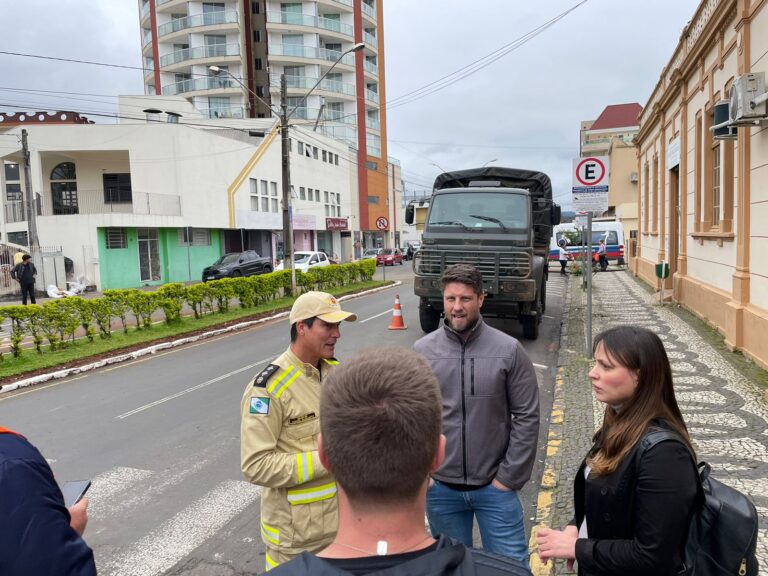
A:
(223, 112)
(368, 10)
(372, 96)
(299, 51)
(370, 39)
(146, 38)
(308, 82)
(211, 51)
(370, 66)
(161, 2)
(139, 203)
(340, 116)
(310, 20)
(144, 10)
(372, 123)
(345, 2)
(206, 19)
(210, 83)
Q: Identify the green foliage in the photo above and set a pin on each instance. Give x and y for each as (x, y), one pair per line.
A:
(142, 304)
(19, 316)
(223, 291)
(84, 310)
(60, 317)
(103, 312)
(171, 299)
(119, 305)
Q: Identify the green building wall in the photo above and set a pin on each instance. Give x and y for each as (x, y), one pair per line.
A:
(119, 268)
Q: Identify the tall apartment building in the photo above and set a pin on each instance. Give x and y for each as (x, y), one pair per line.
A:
(256, 42)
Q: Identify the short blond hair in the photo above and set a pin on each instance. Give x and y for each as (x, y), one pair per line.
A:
(381, 419)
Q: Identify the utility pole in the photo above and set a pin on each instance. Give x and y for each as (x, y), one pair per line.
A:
(31, 205)
(287, 216)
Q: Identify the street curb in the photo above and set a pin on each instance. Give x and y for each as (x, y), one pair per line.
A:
(59, 374)
(549, 478)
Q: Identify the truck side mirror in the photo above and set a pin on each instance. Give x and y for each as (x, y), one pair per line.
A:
(409, 214)
(555, 214)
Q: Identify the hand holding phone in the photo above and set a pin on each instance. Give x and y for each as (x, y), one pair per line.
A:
(73, 491)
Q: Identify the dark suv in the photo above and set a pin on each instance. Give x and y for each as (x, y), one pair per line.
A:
(237, 264)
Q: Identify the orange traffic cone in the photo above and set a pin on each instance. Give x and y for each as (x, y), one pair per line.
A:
(397, 316)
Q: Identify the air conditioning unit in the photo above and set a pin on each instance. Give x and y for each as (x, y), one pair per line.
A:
(745, 90)
(633, 177)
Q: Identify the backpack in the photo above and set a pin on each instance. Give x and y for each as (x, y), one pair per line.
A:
(722, 537)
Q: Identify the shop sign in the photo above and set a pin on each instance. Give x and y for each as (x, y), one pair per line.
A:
(336, 224)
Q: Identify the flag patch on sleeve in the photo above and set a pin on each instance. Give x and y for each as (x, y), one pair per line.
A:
(259, 405)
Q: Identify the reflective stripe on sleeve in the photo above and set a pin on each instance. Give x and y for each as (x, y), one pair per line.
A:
(308, 495)
(270, 563)
(270, 533)
(304, 465)
(284, 381)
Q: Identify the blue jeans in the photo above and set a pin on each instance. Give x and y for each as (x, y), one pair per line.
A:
(499, 517)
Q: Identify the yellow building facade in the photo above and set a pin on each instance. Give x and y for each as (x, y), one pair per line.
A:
(703, 202)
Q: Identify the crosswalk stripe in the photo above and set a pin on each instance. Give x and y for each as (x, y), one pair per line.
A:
(165, 546)
(105, 487)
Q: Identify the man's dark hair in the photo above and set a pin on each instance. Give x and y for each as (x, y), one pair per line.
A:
(381, 419)
(295, 333)
(464, 274)
(25, 257)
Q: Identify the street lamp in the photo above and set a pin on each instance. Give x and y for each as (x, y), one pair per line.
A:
(436, 165)
(285, 115)
(489, 161)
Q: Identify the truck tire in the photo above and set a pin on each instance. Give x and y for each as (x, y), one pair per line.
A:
(530, 326)
(429, 318)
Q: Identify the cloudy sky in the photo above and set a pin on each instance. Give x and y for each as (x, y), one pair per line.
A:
(523, 110)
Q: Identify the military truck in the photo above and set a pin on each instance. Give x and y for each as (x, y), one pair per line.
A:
(500, 220)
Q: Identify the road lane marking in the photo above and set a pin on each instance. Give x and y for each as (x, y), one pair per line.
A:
(542, 366)
(377, 316)
(165, 546)
(192, 389)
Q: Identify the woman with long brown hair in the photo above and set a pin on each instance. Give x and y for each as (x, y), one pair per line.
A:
(632, 507)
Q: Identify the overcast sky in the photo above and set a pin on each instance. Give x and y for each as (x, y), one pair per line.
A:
(522, 110)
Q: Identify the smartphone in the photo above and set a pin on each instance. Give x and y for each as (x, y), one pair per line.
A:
(73, 491)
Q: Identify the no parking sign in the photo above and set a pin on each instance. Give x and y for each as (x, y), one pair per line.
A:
(590, 184)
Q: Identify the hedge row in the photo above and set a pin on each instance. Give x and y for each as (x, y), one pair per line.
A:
(57, 321)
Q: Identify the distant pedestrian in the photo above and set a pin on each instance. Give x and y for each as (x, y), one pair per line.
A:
(490, 420)
(25, 273)
(602, 256)
(631, 513)
(563, 255)
(409, 252)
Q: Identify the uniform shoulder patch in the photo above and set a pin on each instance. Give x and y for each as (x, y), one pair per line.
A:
(261, 380)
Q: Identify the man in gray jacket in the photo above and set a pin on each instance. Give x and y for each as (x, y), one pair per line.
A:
(490, 421)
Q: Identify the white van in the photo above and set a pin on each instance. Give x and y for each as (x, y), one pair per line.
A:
(611, 232)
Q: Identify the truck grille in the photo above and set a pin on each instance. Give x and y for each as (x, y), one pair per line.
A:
(491, 264)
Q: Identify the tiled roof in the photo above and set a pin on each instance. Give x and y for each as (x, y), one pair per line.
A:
(618, 116)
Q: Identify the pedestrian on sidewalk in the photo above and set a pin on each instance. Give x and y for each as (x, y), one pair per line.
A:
(631, 513)
(381, 440)
(563, 255)
(602, 256)
(25, 274)
(490, 420)
(280, 423)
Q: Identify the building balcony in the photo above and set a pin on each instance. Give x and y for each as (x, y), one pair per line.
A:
(311, 114)
(371, 41)
(372, 123)
(291, 51)
(221, 19)
(144, 10)
(136, 203)
(198, 84)
(199, 53)
(372, 96)
(307, 20)
(371, 67)
(369, 11)
(146, 39)
(223, 112)
(308, 82)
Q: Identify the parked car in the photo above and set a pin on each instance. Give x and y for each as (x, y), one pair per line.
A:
(389, 257)
(236, 264)
(305, 260)
(371, 253)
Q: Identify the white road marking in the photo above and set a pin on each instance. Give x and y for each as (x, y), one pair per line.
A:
(192, 389)
(374, 317)
(162, 548)
(105, 486)
(542, 366)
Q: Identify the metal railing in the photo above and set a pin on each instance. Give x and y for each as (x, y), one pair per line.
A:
(370, 39)
(210, 51)
(147, 38)
(299, 51)
(371, 95)
(292, 18)
(308, 82)
(429, 262)
(139, 203)
(368, 10)
(192, 85)
(223, 113)
(371, 67)
(196, 20)
(144, 10)
(345, 2)
(372, 123)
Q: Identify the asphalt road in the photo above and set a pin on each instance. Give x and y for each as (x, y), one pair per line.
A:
(160, 438)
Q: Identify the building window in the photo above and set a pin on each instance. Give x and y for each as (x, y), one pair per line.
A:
(716, 182)
(12, 172)
(302, 193)
(13, 192)
(655, 200)
(698, 148)
(117, 189)
(336, 159)
(273, 188)
(261, 191)
(257, 35)
(373, 199)
(301, 147)
(314, 152)
(258, 64)
(64, 189)
(199, 236)
(317, 195)
(370, 165)
(646, 207)
(255, 7)
(325, 156)
(19, 238)
(115, 238)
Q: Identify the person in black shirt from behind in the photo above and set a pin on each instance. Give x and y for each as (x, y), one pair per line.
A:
(25, 273)
(380, 437)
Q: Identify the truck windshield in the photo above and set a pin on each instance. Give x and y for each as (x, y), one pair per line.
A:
(495, 211)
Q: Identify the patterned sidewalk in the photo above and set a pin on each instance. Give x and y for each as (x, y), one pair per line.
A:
(726, 414)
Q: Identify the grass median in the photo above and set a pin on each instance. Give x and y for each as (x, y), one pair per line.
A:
(82, 351)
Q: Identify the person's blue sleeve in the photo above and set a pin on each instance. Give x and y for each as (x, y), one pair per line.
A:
(35, 536)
